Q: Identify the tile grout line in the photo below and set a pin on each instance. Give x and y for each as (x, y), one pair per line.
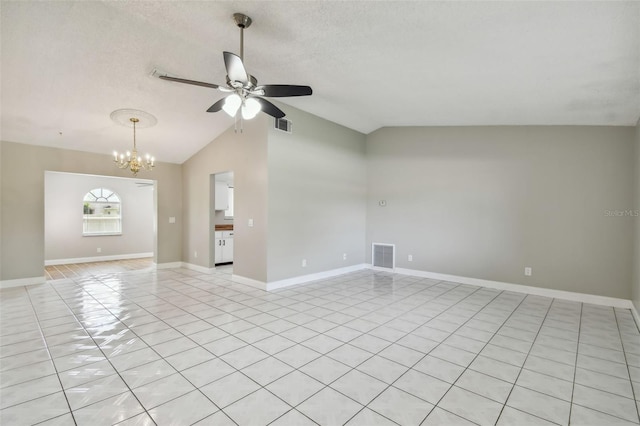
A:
(349, 367)
(575, 368)
(372, 355)
(343, 344)
(110, 363)
(477, 355)
(51, 359)
(321, 354)
(545, 374)
(525, 360)
(424, 356)
(377, 353)
(174, 354)
(633, 393)
(300, 343)
(597, 389)
(161, 358)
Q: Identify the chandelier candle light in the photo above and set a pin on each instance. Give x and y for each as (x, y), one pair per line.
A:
(132, 160)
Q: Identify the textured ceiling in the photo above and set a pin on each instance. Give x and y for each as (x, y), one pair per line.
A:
(67, 65)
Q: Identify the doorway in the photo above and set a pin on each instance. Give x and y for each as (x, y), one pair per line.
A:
(93, 218)
(221, 219)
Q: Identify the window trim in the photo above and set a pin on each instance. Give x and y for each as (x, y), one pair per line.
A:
(101, 198)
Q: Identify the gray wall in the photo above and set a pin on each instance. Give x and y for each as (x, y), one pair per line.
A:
(1, 209)
(485, 202)
(317, 196)
(481, 202)
(22, 203)
(246, 155)
(63, 217)
(635, 286)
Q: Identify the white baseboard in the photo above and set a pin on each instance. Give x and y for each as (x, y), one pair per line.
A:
(273, 285)
(97, 258)
(19, 282)
(197, 268)
(302, 279)
(635, 314)
(249, 281)
(185, 265)
(168, 265)
(519, 288)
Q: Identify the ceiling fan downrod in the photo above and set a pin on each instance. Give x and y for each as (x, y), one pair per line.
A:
(242, 21)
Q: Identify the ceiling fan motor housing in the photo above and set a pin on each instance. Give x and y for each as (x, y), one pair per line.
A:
(242, 20)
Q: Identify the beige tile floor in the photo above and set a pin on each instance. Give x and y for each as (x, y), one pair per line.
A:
(179, 347)
(74, 270)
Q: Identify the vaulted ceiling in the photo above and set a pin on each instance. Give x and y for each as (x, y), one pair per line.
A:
(67, 65)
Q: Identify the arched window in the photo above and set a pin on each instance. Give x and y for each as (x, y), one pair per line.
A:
(101, 210)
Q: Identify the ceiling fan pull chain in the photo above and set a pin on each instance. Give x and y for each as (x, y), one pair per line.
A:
(237, 118)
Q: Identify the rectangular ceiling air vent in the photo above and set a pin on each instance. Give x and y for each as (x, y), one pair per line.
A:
(283, 124)
(383, 255)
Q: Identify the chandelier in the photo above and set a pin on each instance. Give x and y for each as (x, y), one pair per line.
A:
(131, 160)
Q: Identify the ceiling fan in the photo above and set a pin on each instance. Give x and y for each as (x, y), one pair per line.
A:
(245, 93)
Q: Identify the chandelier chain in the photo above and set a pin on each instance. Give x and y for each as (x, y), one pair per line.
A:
(132, 160)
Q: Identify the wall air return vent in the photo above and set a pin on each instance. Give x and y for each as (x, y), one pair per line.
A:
(283, 124)
(383, 256)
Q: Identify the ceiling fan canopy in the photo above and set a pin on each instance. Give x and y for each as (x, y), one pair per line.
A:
(245, 94)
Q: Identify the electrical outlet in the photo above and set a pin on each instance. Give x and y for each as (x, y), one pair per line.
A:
(410, 258)
(99, 250)
(527, 271)
(250, 223)
(304, 263)
(172, 219)
(344, 256)
(195, 254)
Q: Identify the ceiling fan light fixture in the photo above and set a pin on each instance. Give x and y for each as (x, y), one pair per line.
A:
(231, 104)
(250, 109)
(245, 94)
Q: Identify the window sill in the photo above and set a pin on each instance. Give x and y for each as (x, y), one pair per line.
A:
(103, 234)
(89, 217)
